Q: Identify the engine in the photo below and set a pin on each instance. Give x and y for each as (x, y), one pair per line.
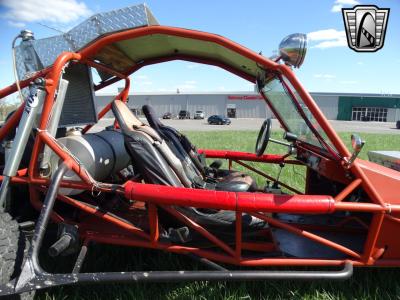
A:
(103, 154)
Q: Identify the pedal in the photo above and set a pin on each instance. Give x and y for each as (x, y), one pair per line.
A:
(67, 242)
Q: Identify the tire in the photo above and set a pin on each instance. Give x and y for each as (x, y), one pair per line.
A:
(13, 250)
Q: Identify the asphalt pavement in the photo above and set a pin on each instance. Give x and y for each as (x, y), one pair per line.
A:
(255, 124)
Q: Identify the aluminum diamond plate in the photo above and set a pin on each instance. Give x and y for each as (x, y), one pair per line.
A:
(48, 49)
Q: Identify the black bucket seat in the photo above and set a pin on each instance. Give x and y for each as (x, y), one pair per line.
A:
(153, 158)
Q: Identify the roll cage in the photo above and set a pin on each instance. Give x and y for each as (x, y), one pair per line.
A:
(96, 229)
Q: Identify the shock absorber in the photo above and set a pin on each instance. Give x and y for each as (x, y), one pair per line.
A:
(33, 104)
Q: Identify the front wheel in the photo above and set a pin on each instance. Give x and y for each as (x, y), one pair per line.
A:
(13, 250)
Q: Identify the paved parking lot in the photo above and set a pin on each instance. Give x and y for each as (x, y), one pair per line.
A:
(255, 124)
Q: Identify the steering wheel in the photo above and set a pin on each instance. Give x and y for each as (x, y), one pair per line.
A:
(263, 137)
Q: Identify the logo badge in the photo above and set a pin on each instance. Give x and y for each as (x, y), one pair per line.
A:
(365, 27)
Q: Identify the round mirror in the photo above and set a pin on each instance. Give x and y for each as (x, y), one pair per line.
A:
(293, 49)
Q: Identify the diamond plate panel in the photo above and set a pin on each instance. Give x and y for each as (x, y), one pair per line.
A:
(25, 63)
(49, 49)
(19, 60)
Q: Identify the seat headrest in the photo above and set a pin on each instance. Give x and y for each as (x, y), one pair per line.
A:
(129, 122)
(151, 116)
(125, 117)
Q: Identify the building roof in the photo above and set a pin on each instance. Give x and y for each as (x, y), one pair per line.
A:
(319, 94)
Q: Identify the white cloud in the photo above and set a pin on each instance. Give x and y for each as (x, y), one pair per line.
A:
(339, 4)
(360, 63)
(326, 34)
(324, 76)
(347, 2)
(332, 44)
(337, 8)
(327, 38)
(16, 24)
(55, 11)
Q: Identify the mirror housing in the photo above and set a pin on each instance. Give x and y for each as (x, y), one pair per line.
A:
(357, 144)
(293, 49)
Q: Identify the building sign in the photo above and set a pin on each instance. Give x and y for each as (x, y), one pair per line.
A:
(245, 97)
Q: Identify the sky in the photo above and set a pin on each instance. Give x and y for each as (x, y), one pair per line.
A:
(330, 66)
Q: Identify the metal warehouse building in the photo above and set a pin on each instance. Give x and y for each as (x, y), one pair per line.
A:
(358, 107)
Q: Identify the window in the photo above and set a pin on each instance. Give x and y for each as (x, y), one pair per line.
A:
(375, 114)
(137, 111)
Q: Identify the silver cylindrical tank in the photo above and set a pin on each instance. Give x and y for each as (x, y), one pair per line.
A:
(102, 154)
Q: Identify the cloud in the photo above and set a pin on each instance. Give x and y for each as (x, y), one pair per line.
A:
(16, 24)
(337, 8)
(347, 2)
(324, 76)
(55, 11)
(339, 4)
(327, 38)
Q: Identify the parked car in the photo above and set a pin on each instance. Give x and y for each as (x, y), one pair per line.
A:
(398, 124)
(184, 114)
(219, 120)
(167, 115)
(199, 114)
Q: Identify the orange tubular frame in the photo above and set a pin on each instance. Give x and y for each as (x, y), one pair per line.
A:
(124, 233)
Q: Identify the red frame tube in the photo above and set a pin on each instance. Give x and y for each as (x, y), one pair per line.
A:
(236, 155)
(242, 201)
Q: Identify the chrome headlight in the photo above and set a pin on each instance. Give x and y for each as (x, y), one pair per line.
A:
(293, 49)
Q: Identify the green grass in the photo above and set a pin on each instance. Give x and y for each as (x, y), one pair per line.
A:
(365, 284)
